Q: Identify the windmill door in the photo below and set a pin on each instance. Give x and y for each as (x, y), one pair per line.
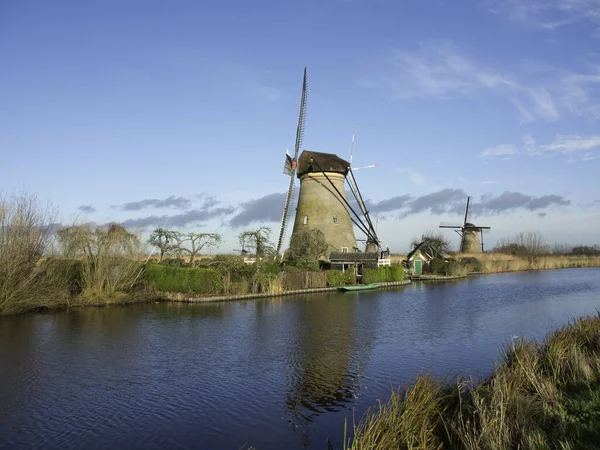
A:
(418, 267)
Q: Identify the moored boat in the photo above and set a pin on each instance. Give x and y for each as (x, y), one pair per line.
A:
(359, 287)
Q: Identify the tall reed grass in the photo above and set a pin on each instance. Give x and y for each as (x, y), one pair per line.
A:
(498, 262)
(538, 397)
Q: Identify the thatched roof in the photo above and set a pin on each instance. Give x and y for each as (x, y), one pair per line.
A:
(327, 162)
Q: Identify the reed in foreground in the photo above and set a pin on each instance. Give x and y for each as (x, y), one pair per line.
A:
(540, 396)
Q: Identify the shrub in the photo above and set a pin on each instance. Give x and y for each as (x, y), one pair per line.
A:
(303, 280)
(185, 280)
(383, 274)
(349, 277)
(437, 266)
(339, 278)
(471, 263)
(69, 271)
(334, 277)
(395, 272)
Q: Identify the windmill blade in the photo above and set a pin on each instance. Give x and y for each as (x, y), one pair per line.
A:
(467, 210)
(450, 226)
(301, 118)
(291, 170)
(286, 210)
(366, 167)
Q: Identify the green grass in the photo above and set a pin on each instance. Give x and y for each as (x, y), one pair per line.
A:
(542, 395)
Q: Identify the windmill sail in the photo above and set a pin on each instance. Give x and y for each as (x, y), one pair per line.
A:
(287, 168)
(291, 170)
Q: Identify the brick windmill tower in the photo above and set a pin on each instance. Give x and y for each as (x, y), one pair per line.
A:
(322, 202)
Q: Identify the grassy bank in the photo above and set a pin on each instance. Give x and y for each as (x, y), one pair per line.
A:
(497, 262)
(542, 395)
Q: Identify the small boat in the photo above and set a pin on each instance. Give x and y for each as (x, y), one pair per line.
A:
(359, 287)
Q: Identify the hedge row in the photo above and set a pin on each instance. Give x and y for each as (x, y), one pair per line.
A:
(339, 278)
(383, 274)
(206, 281)
(185, 279)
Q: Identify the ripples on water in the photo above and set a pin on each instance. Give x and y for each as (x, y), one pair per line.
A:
(281, 373)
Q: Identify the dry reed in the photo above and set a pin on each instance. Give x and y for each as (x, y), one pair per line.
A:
(526, 403)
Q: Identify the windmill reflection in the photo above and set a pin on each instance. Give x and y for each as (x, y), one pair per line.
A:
(334, 335)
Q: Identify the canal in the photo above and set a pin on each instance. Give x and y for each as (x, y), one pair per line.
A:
(271, 373)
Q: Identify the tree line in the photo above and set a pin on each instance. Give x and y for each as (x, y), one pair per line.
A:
(305, 246)
(179, 243)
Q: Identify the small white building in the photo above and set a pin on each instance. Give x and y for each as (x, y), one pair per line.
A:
(418, 260)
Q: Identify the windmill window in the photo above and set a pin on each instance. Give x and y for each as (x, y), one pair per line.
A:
(344, 249)
(305, 220)
(335, 219)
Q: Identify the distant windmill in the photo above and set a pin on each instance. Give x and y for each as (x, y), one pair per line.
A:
(469, 233)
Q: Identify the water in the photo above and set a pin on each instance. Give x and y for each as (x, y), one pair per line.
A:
(276, 373)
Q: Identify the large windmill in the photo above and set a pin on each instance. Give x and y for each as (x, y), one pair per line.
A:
(322, 203)
(469, 233)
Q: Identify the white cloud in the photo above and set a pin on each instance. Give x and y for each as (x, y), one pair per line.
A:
(488, 182)
(500, 150)
(551, 14)
(543, 102)
(437, 70)
(564, 144)
(589, 157)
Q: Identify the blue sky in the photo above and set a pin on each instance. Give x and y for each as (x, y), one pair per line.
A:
(179, 113)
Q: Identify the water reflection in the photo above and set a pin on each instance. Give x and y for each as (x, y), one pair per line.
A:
(327, 360)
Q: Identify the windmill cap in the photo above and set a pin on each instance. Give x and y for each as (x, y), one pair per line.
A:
(327, 162)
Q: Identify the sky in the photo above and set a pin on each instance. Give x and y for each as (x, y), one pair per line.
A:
(178, 114)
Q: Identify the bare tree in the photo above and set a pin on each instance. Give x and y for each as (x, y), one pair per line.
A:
(533, 242)
(164, 240)
(436, 240)
(526, 244)
(109, 262)
(25, 236)
(191, 243)
(257, 240)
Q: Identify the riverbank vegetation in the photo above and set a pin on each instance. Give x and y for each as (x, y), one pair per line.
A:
(41, 267)
(45, 265)
(231, 276)
(542, 395)
(522, 252)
